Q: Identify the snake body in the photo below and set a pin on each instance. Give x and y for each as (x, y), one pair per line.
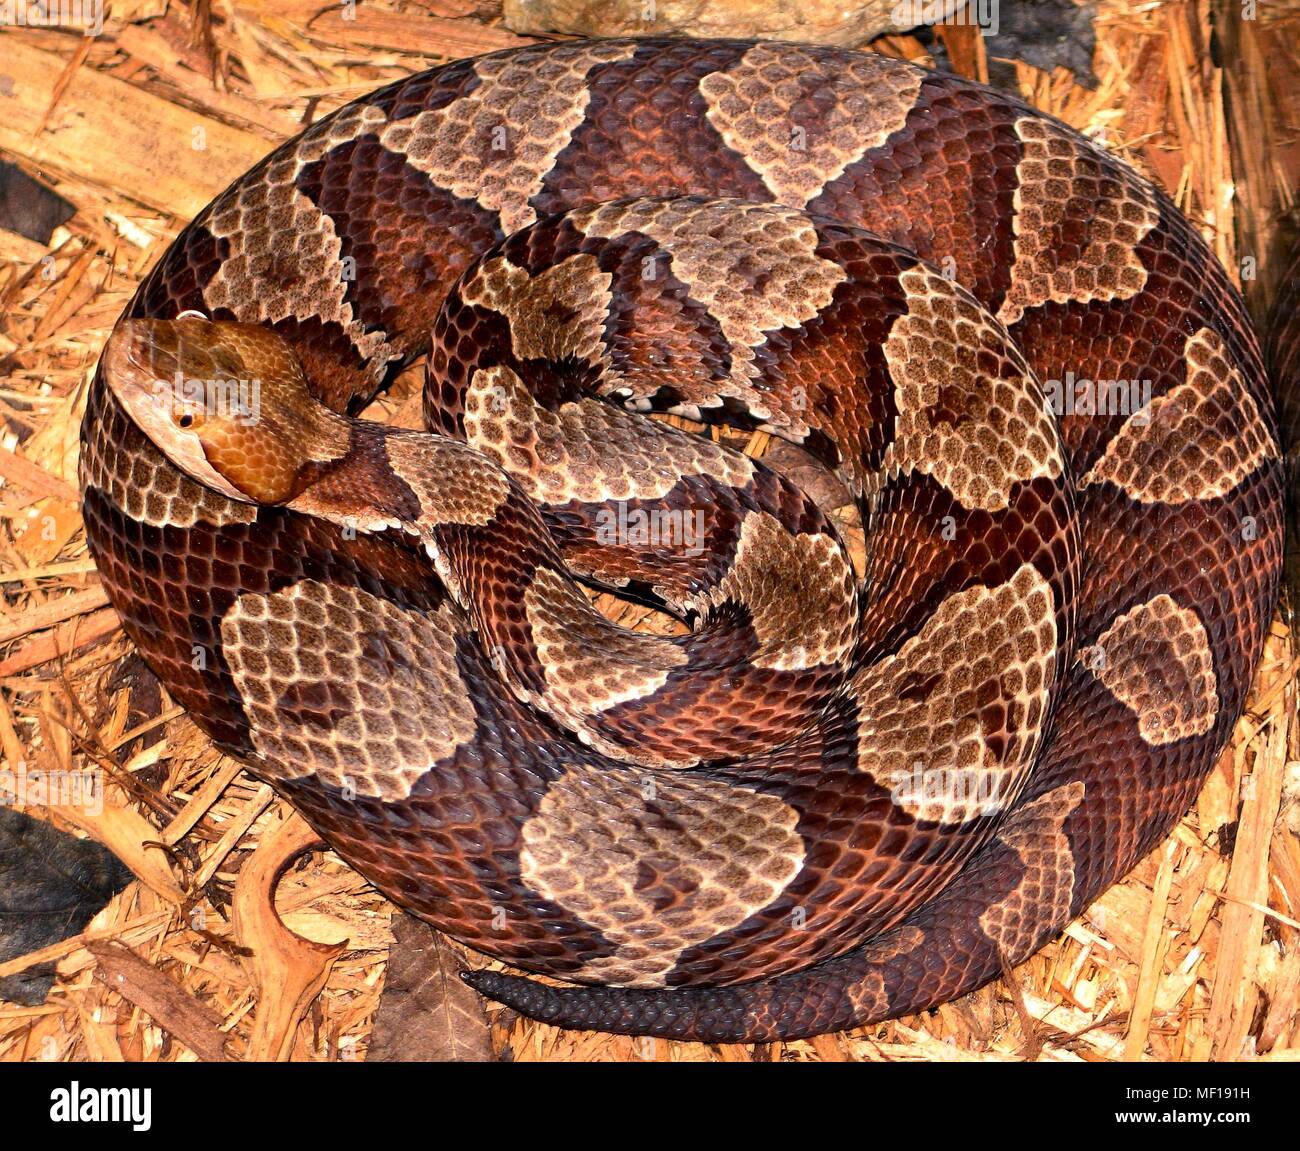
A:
(840, 796)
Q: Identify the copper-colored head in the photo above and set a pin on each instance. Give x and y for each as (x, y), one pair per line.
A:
(225, 402)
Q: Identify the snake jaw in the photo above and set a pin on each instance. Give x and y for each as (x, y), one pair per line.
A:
(134, 361)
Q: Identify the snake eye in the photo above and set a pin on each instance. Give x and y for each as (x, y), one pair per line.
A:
(187, 418)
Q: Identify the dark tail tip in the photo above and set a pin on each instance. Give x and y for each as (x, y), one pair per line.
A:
(523, 995)
(707, 1015)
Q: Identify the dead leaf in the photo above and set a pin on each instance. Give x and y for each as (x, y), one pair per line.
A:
(427, 1014)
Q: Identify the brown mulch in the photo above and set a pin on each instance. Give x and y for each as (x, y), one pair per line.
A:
(1196, 955)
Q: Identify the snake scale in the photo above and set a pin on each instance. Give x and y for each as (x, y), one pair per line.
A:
(833, 796)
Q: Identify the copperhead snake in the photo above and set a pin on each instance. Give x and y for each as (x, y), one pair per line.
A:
(836, 796)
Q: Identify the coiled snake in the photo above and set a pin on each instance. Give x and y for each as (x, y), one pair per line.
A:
(838, 796)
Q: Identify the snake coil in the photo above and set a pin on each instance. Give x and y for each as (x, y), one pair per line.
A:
(835, 796)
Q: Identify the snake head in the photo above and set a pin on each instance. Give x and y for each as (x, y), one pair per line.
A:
(227, 403)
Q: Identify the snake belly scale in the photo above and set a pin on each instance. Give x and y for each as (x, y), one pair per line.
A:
(837, 795)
